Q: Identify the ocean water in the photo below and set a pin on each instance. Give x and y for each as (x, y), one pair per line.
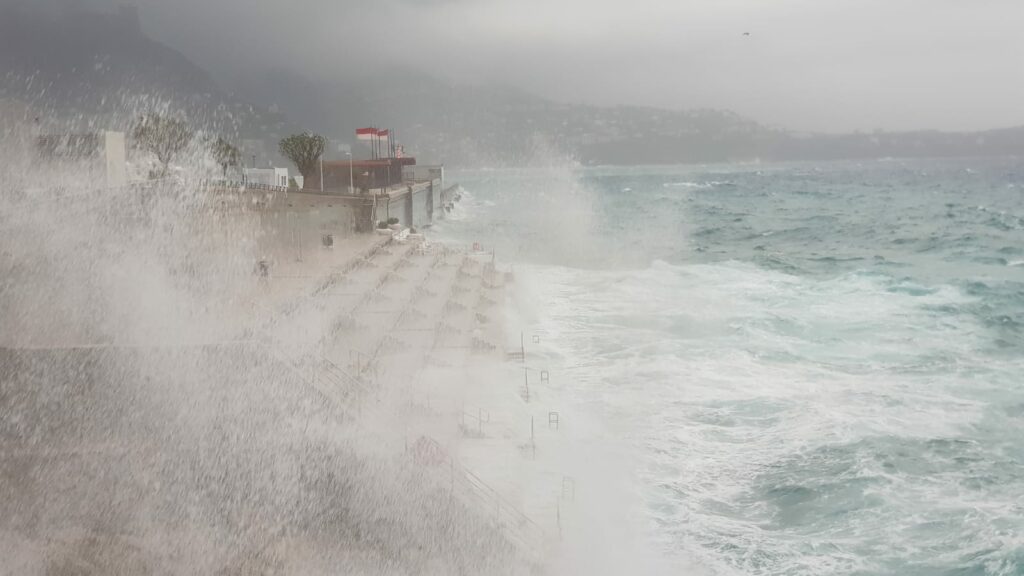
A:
(819, 368)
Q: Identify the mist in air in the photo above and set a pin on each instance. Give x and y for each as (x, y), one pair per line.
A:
(489, 287)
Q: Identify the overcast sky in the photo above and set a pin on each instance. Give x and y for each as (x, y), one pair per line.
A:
(827, 65)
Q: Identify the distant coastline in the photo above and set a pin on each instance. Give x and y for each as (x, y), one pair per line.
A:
(784, 146)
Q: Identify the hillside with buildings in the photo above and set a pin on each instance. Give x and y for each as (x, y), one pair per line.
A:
(496, 125)
(105, 69)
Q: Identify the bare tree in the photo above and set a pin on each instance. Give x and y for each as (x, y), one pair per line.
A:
(305, 150)
(163, 137)
(226, 154)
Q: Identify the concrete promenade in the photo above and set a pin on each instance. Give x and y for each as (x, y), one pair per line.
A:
(259, 327)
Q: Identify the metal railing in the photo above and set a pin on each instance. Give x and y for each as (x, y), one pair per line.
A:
(471, 489)
(243, 186)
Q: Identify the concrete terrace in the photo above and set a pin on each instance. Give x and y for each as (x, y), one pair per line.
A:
(375, 341)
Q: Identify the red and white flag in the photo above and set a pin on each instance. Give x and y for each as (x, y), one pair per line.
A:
(366, 133)
(383, 134)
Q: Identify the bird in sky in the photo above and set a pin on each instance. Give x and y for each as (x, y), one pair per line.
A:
(746, 33)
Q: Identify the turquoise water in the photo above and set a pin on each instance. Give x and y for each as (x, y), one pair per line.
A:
(821, 367)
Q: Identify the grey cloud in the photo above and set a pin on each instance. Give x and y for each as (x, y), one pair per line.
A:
(821, 65)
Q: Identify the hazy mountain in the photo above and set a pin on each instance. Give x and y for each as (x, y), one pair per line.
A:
(496, 125)
(74, 66)
(479, 124)
(106, 70)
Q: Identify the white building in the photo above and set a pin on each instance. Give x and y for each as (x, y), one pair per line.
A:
(116, 158)
(267, 176)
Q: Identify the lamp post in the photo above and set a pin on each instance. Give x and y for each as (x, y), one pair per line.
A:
(321, 173)
(351, 188)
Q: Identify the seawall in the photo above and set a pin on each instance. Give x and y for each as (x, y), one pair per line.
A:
(209, 385)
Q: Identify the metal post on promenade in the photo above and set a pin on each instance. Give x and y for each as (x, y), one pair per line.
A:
(526, 382)
(351, 187)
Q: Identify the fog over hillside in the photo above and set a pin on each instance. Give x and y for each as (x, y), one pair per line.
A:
(77, 67)
(93, 59)
(511, 287)
(831, 66)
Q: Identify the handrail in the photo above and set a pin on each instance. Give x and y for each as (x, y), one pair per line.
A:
(342, 373)
(506, 512)
(243, 186)
(518, 525)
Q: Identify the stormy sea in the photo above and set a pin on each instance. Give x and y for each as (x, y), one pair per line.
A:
(815, 368)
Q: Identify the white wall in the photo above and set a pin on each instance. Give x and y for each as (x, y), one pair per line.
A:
(267, 176)
(115, 155)
(281, 174)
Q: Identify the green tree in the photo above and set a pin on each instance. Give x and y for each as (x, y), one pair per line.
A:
(226, 155)
(163, 137)
(305, 151)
